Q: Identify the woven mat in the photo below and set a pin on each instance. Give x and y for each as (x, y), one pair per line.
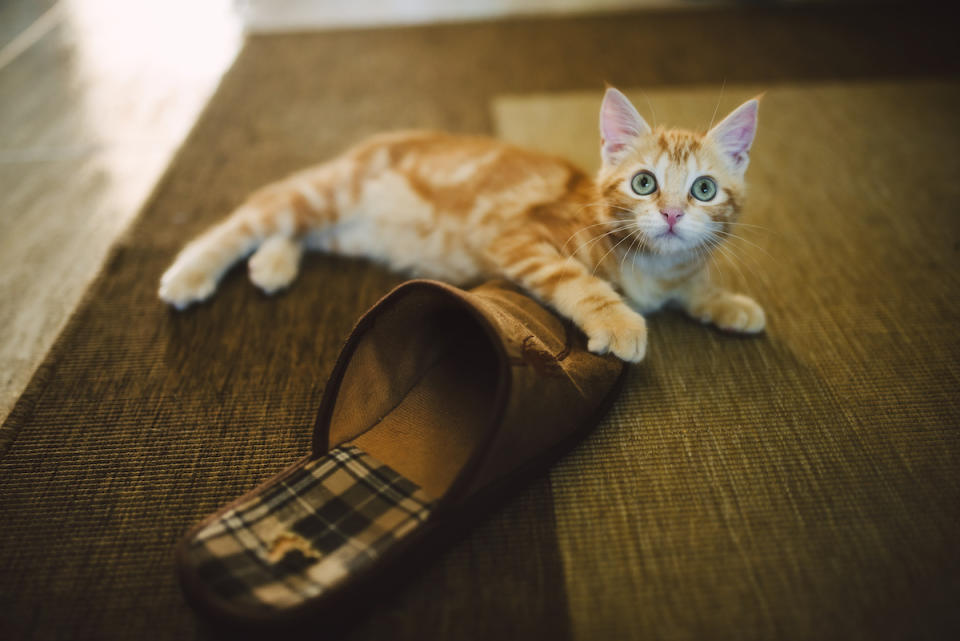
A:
(805, 484)
(799, 485)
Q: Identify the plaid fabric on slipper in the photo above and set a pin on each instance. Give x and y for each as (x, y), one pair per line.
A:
(440, 401)
(319, 525)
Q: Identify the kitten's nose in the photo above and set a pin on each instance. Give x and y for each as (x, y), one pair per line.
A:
(671, 216)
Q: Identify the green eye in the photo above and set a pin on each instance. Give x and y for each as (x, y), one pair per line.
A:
(704, 188)
(643, 183)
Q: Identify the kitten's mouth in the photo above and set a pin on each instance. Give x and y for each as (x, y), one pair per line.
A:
(669, 234)
(671, 240)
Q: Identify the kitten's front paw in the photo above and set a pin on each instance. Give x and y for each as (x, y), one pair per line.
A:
(735, 313)
(182, 285)
(622, 332)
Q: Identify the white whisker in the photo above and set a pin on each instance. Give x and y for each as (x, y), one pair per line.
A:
(604, 257)
(653, 112)
(581, 229)
(734, 259)
(638, 243)
(596, 239)
(717, 108)
(727, 234)
(737, 223)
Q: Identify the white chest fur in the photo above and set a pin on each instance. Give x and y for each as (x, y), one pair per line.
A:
(649, 280)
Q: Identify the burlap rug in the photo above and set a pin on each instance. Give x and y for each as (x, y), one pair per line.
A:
(799, 485)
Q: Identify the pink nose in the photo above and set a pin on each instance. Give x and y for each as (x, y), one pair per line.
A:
(671, 216)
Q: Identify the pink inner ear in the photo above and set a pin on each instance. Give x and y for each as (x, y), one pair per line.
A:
(619, 123)
(735, 134)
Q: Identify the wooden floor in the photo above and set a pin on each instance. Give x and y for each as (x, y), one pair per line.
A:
(88, 122)
(17, 16)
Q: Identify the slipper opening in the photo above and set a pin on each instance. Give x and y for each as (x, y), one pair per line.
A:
(419, 394)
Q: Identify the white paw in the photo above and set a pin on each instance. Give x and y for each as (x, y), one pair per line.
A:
(184, 284)
(623, 333)
(738, 313)
(275, 264)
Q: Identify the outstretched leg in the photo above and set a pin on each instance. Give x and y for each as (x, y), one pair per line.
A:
(728, 311)
(275, 219)
(567, 285)
(194, 275)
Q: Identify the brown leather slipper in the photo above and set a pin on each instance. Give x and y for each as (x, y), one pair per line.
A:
(439, 399)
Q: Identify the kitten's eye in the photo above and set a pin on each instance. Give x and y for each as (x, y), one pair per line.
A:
(704, 188)
(643, 183)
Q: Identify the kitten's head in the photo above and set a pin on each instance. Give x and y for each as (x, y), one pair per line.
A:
(676, 190)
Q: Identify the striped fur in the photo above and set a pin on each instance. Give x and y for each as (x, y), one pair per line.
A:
(462, 209)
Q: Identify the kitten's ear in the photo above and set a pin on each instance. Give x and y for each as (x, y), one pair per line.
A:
(734, 135)
(620, 123)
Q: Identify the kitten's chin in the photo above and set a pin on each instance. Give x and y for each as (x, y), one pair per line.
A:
(673, 243)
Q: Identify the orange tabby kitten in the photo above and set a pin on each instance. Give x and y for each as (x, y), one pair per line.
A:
(461, 209)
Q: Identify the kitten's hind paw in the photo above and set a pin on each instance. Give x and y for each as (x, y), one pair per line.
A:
(622, 333)
(182, 287)
(275, 264)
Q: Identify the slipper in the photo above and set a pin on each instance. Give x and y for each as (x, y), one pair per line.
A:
(441, 399)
